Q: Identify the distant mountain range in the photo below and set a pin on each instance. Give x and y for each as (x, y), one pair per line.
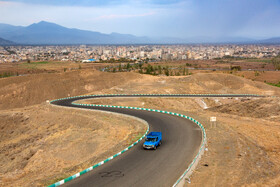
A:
(45, 33)
(6, 42)
(275, 40)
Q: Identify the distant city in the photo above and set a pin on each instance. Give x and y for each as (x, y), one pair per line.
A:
(88, 53)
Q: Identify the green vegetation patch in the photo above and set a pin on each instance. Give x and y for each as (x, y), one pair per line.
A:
(7, 74)
(56, 179)
(276, 62)
(258, 60)
(275, 84)
(28, 65)
(33, 65)
(42, 62)
(135, 137)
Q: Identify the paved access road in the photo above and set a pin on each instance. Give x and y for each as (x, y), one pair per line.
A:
(138, 167)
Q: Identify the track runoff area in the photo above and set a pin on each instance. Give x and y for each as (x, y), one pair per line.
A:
(183, 143)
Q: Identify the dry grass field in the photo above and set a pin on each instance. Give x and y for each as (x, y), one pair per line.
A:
(243, 149)
(42, 144)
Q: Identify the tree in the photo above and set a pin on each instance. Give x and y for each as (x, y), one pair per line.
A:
(166, 72)
(236, 68)
(159, 70)
(136, 66)
(112, 60)
(128, 66)
(276, 62)
(120, 68)
(185, 71)
(149, 69)
(141, 71)
(257, 73)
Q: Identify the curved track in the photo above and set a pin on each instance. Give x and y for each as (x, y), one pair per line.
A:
(181, 141)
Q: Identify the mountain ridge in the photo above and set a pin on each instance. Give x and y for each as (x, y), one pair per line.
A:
(6, 42)
(46, 33)
(271, 40)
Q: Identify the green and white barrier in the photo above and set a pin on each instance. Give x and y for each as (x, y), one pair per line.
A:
(98, 164)
(190, 167)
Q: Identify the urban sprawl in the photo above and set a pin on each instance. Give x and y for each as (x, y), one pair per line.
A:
(84, 53)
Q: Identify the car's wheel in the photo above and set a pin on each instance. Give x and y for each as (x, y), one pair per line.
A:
(155, 147)
(159, 143)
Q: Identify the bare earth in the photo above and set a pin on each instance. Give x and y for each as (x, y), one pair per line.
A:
(42, 144)
(243, 149)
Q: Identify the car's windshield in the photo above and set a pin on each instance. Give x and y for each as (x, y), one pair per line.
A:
(151, 139)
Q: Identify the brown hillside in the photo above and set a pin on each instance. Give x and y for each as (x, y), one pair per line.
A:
(16, 92)
(207, 83)
(266, 108)
(240, 143)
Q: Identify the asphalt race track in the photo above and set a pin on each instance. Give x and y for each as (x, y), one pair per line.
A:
(138, 167)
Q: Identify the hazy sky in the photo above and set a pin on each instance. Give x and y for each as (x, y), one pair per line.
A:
(174, 18)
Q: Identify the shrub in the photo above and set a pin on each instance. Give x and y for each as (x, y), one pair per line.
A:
(236, 68)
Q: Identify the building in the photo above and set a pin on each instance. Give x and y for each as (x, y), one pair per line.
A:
(88, 60)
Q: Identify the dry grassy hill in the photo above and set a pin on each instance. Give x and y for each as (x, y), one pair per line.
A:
(16, 92)
(30, 129)
(265, 108)
(207, 83)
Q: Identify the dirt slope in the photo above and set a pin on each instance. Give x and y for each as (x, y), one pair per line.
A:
(16, 92)
(241, 150)
(265, 108)
(31, 136)
(243, 147)
(195, 84)
(42, 144)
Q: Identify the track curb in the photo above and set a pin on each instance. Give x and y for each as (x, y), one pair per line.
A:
(193, 164)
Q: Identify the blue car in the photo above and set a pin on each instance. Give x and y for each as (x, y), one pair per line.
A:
(153, 140)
